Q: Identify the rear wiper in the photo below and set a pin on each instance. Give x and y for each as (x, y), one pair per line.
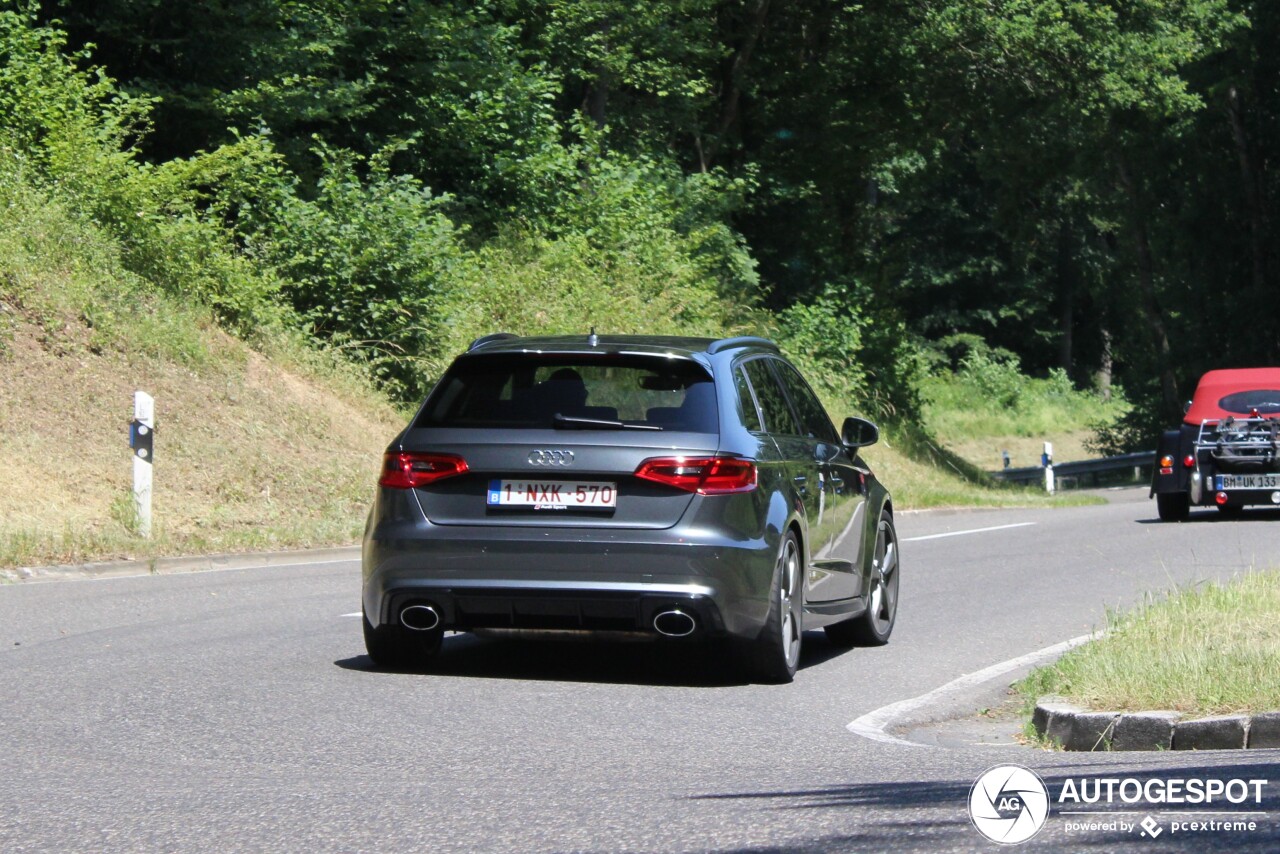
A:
(569, 422)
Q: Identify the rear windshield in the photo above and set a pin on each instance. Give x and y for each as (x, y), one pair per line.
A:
(537, 392)
(1266, 401)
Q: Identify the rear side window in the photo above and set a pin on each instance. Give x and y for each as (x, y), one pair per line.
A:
(773, 403)
(813, 418)
(747, 403)
(530, 391)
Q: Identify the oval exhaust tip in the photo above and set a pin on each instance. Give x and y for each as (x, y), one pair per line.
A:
(419, 618)
(674, 624)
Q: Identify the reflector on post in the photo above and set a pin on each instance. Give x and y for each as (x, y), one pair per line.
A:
(142, 441)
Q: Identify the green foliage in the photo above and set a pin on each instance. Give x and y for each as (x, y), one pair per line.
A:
(54, 113)
(72, 130)
(630, 248)
(44, 240)
(974, 391)
(1038, 173)
(366, 264)
(825, 339)
(1136, 430)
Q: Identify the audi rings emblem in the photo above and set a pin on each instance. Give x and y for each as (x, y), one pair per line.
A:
(550, 458)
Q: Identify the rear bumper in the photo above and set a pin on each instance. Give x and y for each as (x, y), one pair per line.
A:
(562, 579)
(1203, 486)
(501, 605)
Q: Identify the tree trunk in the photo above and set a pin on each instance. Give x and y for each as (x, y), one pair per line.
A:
(1251, 184)
(1102, 378)
(596, 99)
(732, 95)
(1151, 312)
(1067, 298)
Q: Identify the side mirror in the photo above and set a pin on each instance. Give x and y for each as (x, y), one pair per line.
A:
(858, 433)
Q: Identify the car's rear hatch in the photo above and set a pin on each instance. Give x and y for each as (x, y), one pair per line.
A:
(557, 439)
(588, 482)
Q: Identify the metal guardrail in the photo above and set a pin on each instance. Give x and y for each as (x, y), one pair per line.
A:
(1074, 474)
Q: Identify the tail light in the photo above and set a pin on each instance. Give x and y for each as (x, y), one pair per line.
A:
(703, 475)
(1221, 498)
(1189, 461)
(409, 470)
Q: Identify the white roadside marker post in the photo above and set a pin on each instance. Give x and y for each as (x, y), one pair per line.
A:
(1046, 459)
(142, 440)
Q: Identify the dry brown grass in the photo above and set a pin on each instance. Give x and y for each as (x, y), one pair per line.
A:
(250, 453)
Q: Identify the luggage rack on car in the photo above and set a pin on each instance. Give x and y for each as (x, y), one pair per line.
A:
(1246, 442)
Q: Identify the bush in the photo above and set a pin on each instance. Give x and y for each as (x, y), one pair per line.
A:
(74, 131)
(984, 393)
(824, 339)
(366, 264)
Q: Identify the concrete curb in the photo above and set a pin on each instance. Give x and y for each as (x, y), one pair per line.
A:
(1074, 728)
(179, 565)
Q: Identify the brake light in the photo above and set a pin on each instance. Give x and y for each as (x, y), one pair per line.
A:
(1189, 461)
(703, 475)
(409, 470)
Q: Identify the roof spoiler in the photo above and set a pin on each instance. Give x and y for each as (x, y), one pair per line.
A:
(485, 340)
(741, 341)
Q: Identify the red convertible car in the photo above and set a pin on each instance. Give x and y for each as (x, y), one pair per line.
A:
(1226, 452)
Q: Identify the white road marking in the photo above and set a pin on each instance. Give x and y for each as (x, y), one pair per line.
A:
(872, 725)
(971, 531)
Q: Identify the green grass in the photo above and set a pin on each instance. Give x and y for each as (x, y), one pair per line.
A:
(1203, 650)
(921, 473)
(986, 405)
(961, 406)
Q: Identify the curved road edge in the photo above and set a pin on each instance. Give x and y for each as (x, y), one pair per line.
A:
(874, 725)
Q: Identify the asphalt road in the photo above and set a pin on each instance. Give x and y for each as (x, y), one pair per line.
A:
(236, 711)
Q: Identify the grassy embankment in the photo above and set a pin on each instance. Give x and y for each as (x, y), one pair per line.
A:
(1204, 650)
(263, 447)
(976, 410)
(986, 406)
(255, 449)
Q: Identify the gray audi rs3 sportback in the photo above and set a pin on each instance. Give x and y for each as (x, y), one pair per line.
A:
(675, 488)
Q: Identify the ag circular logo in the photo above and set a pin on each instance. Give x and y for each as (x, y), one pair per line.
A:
(1009, 804)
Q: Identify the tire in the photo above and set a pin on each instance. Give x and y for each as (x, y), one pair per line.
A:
(395, 647)
(1173, 506)
(775, 654)
(874, 625)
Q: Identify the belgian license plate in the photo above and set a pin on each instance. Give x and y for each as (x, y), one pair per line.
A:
(1248, 481)
(552, 495)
